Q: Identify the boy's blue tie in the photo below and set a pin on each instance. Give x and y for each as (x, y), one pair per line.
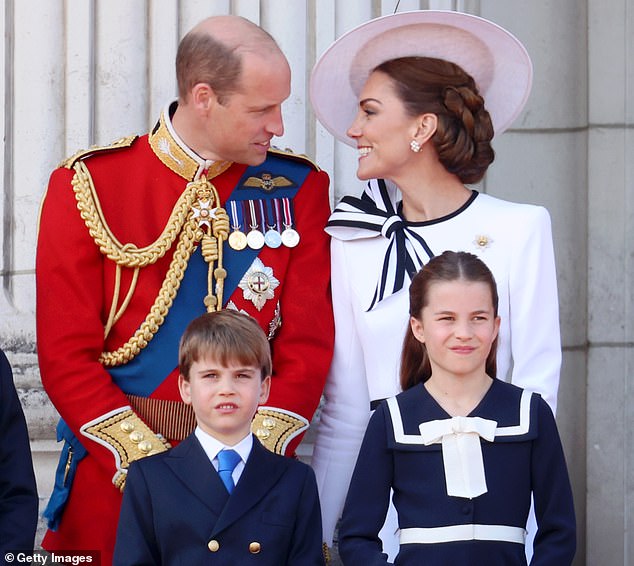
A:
(227, 461)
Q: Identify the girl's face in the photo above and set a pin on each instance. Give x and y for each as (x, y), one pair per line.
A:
(382, 130)
(458, 327)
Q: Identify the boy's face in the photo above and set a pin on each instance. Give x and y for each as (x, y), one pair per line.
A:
(224, 398)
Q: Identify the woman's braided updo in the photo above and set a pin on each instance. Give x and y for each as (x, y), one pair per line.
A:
(463, 137)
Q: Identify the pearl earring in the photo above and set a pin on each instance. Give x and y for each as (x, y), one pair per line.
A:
(414, 146)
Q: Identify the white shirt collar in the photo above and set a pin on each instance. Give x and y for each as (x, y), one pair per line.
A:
(212, 446)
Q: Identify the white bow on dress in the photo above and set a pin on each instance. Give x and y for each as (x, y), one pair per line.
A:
(461, 451)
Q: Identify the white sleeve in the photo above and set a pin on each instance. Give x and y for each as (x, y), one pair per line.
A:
(346, 411)
(534, 307)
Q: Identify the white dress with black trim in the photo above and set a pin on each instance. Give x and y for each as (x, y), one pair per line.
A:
(406, 448)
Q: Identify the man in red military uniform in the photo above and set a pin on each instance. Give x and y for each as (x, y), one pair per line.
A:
(138, 238)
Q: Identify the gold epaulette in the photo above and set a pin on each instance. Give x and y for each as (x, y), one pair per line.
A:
(127, 437)
(275, 428)
(297, 156)
(69, 162)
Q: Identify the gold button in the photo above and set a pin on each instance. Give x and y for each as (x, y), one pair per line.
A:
(145, 446)
(262, 434)
(254, 548)
(268, 422)
(213, 545)
(127, 426)
(136, 436)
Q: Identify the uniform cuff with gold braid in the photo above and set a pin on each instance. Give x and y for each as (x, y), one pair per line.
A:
(123, 433)
(275, 427)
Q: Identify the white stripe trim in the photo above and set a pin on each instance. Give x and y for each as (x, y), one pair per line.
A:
(397, 425)
(525, 418)
(522, 428)
(454, 533)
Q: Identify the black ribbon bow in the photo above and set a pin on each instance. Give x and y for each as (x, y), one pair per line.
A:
(374, 211)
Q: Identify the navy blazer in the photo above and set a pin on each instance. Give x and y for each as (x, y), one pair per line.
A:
(18, 492)
(176, 510)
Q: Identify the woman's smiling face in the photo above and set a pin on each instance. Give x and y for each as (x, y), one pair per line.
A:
(382, 130)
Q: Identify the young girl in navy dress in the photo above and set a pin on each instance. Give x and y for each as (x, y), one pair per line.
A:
(461, 450)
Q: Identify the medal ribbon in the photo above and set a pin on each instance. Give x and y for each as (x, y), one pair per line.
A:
(253, 217)
(288, 213)
(262, 215)
(278, 214)
(272, 221)
(236, 214)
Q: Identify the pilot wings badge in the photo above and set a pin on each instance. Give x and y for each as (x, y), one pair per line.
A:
(267, 182)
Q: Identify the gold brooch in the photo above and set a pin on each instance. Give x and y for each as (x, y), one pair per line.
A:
(482, 241)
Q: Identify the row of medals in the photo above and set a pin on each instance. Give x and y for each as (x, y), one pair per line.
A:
(256, 239)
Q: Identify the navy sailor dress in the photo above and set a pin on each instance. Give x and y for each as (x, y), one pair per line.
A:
(410, 447)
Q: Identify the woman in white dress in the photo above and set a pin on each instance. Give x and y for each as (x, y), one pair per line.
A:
(421, 94)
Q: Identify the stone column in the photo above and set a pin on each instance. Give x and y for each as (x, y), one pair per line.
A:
(542, 160)
(610, 283)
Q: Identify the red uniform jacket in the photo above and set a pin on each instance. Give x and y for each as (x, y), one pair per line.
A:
(136, 189)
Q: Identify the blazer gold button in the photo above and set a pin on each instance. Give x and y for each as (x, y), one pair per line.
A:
(213, 545)
(254, 548)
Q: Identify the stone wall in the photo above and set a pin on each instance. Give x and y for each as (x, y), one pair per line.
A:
(78, 72)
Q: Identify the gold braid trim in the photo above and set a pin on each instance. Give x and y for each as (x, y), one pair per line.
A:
(185, 223)
(327, 555)
(127, 255)
(161, 306)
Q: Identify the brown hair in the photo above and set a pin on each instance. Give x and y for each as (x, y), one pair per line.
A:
(217, 61)
(449, 266)
(463, 137)
(202, 59)
(228, 336)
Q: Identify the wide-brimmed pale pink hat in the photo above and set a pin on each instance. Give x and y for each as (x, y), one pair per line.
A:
(495, 58)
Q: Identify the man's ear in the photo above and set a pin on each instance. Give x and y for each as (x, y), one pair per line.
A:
(203, 97)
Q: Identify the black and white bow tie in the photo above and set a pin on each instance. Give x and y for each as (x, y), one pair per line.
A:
(376, 213)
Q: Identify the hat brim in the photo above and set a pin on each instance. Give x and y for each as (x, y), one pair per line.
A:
(495, 58)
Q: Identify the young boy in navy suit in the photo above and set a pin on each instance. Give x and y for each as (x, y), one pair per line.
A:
(220, 497)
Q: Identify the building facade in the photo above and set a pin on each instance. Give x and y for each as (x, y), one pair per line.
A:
(84, 72)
